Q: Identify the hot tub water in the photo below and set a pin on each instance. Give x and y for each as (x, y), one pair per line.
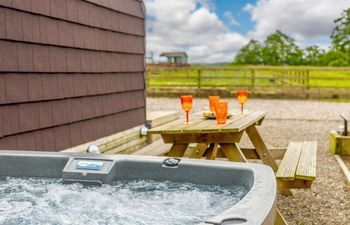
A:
(47, 201)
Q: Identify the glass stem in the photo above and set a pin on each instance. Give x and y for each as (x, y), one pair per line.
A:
(187, 117)
(241, 109)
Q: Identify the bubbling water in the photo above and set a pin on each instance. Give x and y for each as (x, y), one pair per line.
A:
(47, 201)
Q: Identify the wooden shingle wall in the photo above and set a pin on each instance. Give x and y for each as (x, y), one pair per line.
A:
(71, 71)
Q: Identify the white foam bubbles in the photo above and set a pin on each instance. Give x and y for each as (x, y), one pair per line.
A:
(47, 201)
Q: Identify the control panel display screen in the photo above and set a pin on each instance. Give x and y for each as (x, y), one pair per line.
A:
(89, 165)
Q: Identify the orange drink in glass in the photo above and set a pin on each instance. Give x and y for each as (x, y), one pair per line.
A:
(186, 103)
(242, 96)
(221, 112)
(212, 101)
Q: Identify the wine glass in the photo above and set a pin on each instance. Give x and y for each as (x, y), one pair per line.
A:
(186, 103)
(242, 96)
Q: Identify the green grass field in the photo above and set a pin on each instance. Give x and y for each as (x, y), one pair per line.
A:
(227, 76)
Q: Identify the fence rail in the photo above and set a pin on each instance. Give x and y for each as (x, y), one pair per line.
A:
(301, 83)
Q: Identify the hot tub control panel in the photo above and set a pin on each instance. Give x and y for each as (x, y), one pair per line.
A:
(87, 170)
(81, 165)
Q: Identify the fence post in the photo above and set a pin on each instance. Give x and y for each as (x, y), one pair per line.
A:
(279, 81)
(148, 71)
(253, 81)
(199, 79)
(307, 79)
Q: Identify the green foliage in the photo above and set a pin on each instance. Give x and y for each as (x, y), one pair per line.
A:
(334, 58)
(312, 55)
(341, 33)
(250, 54)
(280, 49)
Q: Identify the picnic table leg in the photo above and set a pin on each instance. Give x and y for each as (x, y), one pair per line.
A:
(199, 151)
(177, 150)
(279, 219)
(233, 152)
(212, 151)
(264, 154)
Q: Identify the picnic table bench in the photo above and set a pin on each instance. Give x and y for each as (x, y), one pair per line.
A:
(298, 166)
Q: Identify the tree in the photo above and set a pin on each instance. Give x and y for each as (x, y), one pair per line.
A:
(251, 53)
(341, 33)
(335, 58)
(312, 55)
(280, 49)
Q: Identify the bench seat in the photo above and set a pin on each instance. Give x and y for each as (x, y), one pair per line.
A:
(299, 162)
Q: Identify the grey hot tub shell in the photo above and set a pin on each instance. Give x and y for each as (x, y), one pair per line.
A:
(257, 207)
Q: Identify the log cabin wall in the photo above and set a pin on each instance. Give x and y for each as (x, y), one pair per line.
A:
(71, 71)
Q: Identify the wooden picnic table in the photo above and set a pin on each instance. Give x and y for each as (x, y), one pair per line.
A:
(210, 136)
(298, 166)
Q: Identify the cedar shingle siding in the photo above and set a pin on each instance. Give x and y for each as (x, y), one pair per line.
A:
(71, 71)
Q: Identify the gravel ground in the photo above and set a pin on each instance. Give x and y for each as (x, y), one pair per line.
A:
(328, 201)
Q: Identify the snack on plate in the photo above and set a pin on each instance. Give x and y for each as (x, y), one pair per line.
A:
(209, 114)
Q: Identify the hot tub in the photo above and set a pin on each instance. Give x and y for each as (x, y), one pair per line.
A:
(257, 206)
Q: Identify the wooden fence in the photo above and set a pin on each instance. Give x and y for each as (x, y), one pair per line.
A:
(269, 82)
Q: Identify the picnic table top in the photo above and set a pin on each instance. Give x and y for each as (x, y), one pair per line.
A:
(201, 125)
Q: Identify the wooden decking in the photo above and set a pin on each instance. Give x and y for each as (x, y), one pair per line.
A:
(157, 148)
(129, 141)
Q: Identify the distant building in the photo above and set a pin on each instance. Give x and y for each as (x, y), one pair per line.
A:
(149, 58)
(175, 57)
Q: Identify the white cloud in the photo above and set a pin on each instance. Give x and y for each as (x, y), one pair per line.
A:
(194, 27)
(302, 19)
(191, 26)
(231, 19)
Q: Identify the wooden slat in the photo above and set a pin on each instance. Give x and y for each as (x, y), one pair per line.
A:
(228, 137)
(128, 147)
(280, 219)
(343, 168)
(209, 125)
(177, 150)
(247, 120)
(307, 162)
(284, 185)
(176, 126)
(289, 164)
(111, 138)
(261, 148)
(157, 118)
(251, 153)
(198, 151)
(233, 153)
(230, 126)
(206, 126)
(155, 149)
(214, 151)
(198, 124)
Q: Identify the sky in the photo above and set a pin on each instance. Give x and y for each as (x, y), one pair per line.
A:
(212, 31)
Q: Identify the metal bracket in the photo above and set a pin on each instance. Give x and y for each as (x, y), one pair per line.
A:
(345, 133)
(145, 128)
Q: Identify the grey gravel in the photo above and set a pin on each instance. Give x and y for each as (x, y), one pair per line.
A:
(328, 201)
